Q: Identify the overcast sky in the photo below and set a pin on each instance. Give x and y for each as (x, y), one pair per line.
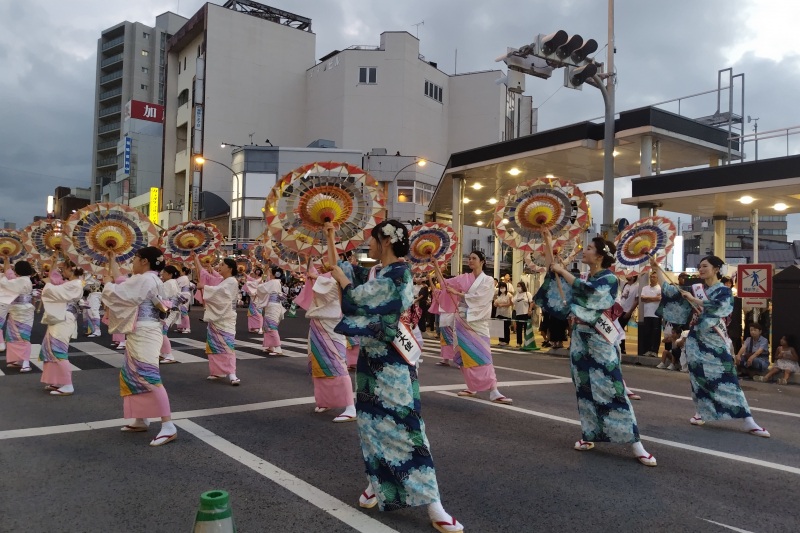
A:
(665, 50)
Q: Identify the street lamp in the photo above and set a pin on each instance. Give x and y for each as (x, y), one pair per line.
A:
(200, 160)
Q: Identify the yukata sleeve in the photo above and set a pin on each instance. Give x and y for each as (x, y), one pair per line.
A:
(593, 296)
(673, 308)
(549, 298)
(371, 309)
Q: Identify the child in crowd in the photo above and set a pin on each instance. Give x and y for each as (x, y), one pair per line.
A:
(785, 359)
(671, 355)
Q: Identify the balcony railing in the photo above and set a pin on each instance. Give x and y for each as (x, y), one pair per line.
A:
(111, 60)
(114, 42)
(107, 162)
(110, 94)
(106, 145)
(108, 127)
(117, 74)
(114, 109)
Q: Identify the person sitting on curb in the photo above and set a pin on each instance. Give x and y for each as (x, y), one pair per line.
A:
(753, 356)
(785, 360)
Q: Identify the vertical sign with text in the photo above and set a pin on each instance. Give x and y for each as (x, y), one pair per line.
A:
(127, 156)
(154, 205)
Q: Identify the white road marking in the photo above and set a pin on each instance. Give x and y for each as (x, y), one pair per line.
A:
(115, 358)
(184, 357)
(200, 344)
(242, 408)
(688, 447)
(322, 500)
(759, 409)
(725, 526)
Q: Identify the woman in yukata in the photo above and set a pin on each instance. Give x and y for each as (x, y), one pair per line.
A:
(269, 296)
(60, 301)
(605, 411)
(395, 448)
(255, 320)
(16, 291)
(220, 316)
(134, 307)
(185, 285)
(715, 387)
(172, 295)
(475, 293)
(327, 350)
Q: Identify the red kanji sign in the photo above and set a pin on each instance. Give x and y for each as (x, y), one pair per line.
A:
(754, 281)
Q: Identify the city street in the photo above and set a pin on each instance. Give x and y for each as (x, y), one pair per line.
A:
(67, 467)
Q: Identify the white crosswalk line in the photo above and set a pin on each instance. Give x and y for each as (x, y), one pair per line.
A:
(200, 344)
(111, 357)
(183, 357)
(35, 350)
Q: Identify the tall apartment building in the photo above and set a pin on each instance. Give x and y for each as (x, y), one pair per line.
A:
(130, 66)
(699, 237)
(246, 69)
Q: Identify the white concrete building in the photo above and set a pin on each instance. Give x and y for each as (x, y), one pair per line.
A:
(229, 74)
(226, 80)
(130, 66)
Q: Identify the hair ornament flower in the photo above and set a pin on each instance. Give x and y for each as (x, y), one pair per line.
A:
(394, 233)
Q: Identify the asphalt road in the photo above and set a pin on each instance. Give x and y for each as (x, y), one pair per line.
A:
(65, 466)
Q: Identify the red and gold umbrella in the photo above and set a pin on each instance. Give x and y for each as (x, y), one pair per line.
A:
(565, 248)
(97, 228)
(303, 200)
(537, 205)
(11, 245)
(645, 238)
(432, 241)
(183, 239)
(42, 239)
(243, 264)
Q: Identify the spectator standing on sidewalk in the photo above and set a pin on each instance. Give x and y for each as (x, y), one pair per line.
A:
(523, 302)
(651, 327)
(504, 304)
(629, 300)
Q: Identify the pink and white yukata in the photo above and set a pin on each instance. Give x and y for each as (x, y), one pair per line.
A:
(59, 299)
(474, 354)
(185, 286)
(445, 306)
(209, 279)
(327, 357)
(269, 295)
(17, 293)
(220, 316)
(171, 295)
(255, 319)
(132, 312)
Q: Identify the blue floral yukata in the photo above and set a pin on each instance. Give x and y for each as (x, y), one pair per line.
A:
(393, 441)
(606, 413)
(712, 373)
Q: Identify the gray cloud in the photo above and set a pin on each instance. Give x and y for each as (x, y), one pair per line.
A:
(664, 50)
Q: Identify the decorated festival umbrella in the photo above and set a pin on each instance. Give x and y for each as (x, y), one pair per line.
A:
(202, 238)
(261, 253)
(97, 228)
(243, 264)
(11, 245)
(304, 199)
(565, 248)
(432, 241)
(537, 205)
(645, 238)
(42, 239)
(285, 258)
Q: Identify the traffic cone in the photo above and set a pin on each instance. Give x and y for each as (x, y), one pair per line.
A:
(530, 339)
(215, 514)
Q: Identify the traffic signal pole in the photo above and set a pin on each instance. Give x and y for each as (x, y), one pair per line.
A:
(608, 138)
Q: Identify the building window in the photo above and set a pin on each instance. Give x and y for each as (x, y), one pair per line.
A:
(433, 91)
(732, 244)
(145, 53)
(414, 192)
(368, 75)
(144, 87)
(145, 70)
(145, 35)
(183, 98)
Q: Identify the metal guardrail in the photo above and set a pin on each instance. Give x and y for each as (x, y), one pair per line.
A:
(113, 43)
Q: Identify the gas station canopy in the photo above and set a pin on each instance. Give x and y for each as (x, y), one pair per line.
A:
(718, 191)
(575, 152)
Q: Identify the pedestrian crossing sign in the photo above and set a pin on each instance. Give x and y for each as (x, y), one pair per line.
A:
(754, 281)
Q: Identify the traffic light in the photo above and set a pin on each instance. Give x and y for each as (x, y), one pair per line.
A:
(573, 43)
(574, 77)
(546, 45)
(579, 55)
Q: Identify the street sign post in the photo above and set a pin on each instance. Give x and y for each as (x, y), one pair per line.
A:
(754, 281)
